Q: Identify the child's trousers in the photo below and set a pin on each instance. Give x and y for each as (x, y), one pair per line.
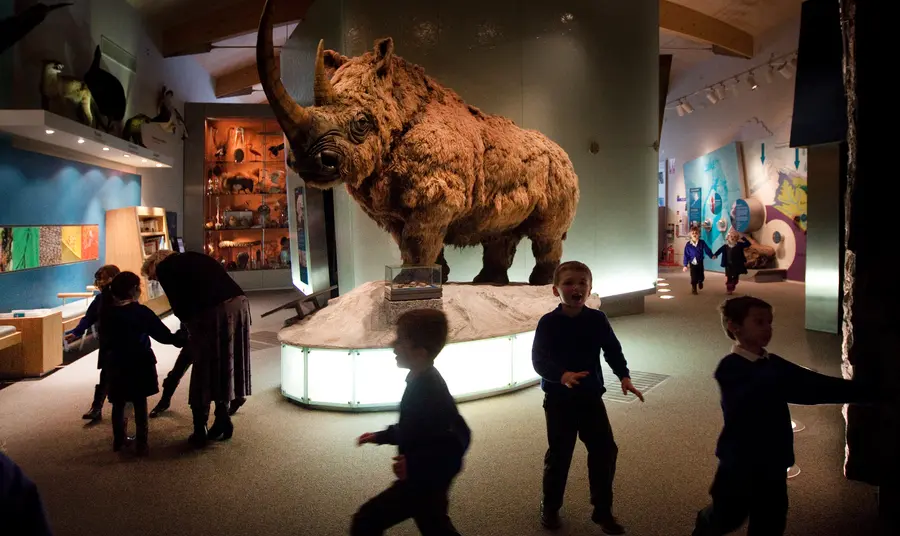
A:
(569, 416)
(741, 493)
(427, 507)
(141, 422)
(698, 274)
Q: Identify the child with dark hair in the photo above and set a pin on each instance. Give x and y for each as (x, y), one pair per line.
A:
(733, 259)
(566, 353)
(125, 330)
(431, 436)
(756, 446)
(102, 278)
(695, 250)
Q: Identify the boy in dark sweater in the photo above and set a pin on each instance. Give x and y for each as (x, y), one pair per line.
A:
(695, 250)
(566, 353)
(431, 436)
(756, 446)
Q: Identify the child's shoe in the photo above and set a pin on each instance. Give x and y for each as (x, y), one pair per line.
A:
(607, 522)
(94, 415)
(694, 290)
(700, 286)
(550, 518)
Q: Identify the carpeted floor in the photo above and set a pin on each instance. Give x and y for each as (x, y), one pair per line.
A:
(292, 471)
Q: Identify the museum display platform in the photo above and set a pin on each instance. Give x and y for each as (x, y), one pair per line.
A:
(341, 357)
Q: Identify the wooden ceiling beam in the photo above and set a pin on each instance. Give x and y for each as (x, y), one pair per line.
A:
(239, 79)
(697, 26)
(195, 35)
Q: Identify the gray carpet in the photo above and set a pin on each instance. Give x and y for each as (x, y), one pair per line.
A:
(293, 471)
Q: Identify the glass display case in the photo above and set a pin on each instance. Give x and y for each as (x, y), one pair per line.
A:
(412, 283)
(246, 209)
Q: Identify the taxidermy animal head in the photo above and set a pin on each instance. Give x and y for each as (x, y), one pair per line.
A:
(359, 103)
(53, 67)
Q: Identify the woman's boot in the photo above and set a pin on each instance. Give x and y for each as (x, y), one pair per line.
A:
(222, 426)
(199, 437)
(96, 411)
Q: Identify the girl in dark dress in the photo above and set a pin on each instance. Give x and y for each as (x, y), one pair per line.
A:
(125, 330)
(733, 259)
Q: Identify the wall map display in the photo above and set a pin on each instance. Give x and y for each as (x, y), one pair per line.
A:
(28, 247)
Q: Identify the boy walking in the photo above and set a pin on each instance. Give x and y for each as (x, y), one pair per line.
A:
(431, 436)
(756, 446)
(695, 250)
(566, 353)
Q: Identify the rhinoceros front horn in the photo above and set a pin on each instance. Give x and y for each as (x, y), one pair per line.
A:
(323, 91)
(293, 118)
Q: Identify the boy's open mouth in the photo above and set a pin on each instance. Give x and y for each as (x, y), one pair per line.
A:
(577, 296)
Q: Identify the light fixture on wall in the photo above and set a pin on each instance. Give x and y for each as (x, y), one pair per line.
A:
(720, 91)
(786, 70)
(711, 96)
(686, 106)
(751, 81)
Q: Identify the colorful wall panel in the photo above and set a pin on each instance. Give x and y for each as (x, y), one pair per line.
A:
(26, 248)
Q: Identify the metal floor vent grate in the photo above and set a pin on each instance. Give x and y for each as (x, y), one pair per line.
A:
(643, 381)
(115, 53)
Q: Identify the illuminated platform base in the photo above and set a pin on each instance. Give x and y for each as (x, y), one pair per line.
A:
(340, 358)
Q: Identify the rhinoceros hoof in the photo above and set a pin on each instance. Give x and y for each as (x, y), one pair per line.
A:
(494, 278)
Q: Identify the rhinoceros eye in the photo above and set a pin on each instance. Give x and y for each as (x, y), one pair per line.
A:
(361, 125)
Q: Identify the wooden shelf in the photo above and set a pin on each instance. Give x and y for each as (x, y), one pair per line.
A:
(125, 245)
(52, 129)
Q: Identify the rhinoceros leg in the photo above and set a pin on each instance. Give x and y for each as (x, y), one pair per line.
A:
(547, 253)
(420, 246)
(498, 257)
(445, 268)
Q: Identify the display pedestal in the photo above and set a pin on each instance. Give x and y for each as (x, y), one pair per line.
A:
(341, 357)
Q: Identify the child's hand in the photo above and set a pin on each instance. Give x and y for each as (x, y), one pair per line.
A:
(684, 268)
(400, 467)
(715, 257)
(570, 379)
(628, 386)
(368, 437)
(70, 337)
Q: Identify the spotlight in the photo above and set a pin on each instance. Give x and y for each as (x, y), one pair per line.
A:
(80, 140)
(720, 92)
(688, 109)
(127, 155)
(680, 110)
(49, 131)
(662, 284)
(666, 297)
(734, 88)
(786, 70)
(751, 81)
(711, 97)
(158, 165)
(769, 74)
(143, 160)
(664, 290)
(106, 148)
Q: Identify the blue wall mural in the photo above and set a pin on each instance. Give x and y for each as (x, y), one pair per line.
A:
(714, 182)
(36, 189)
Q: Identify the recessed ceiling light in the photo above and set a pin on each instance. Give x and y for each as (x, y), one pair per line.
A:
(49, 131)
(106, 148)
(80, 140)
(127, 155)
(664, 290)
(660, 278)
(667, 297)
(662, 284)
(158, 165)
(144, 160)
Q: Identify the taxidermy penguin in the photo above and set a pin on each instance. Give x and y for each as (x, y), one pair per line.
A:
(108, 93)
(132, 130)
(13, 29)
(60, 92)
(169, 115)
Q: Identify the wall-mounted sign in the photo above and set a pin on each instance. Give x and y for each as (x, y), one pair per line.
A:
(695, 206)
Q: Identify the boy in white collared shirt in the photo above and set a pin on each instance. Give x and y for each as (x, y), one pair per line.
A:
(756, 446)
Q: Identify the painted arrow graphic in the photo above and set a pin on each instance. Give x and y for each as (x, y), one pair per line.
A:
(797, 158)
(762, 156)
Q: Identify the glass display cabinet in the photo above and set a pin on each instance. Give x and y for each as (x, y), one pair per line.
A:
(246, 209)
(405, 283)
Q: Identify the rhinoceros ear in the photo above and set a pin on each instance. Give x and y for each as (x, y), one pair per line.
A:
(333, 62)
(384, 51)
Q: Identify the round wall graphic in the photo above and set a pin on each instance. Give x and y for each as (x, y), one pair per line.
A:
(715, 203)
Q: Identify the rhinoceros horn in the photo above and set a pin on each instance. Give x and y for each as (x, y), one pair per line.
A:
(293, 118)
(322, 88)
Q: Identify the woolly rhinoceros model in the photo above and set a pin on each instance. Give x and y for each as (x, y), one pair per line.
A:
(427, 167)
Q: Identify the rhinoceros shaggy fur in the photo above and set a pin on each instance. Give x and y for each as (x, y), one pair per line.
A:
(427, 167)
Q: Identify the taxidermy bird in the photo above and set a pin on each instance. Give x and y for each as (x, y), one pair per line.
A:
(13, 29)
(275, 149)
(108, 93)
(60, 92)
(131, 131)
(169, 115)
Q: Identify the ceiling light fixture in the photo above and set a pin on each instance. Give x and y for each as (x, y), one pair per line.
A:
(711, 96)
(720, 91)
(688, 109)
(80, 140)
(770, 74)
(127, 155)
(49, 131)
(751, 81)
(734, 88)
(158, 165)
(143, 160)
(106, 148)
(785, 71)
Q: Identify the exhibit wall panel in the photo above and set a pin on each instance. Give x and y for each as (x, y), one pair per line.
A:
(579, 71)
